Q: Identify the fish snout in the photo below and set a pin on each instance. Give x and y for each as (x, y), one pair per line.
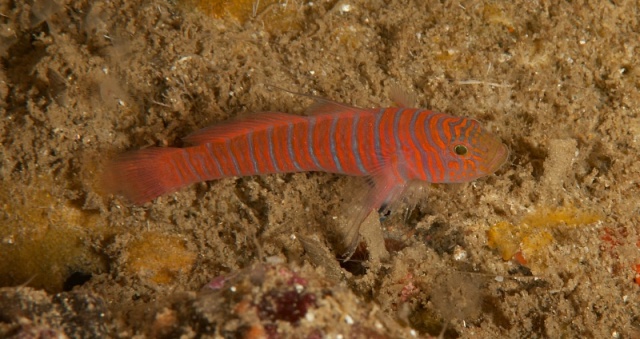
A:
(500, 156)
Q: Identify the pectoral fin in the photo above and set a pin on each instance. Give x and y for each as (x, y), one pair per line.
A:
(386, 188)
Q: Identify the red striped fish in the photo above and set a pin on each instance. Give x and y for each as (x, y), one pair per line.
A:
(391, 146)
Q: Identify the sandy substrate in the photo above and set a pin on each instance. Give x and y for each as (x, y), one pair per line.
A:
(549, 246)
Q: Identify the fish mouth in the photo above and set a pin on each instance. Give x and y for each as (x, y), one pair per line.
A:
(499, 158)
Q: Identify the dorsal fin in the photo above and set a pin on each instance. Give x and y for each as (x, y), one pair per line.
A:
(260, 121)
(402, 98)
(229, 129)
(324, 106)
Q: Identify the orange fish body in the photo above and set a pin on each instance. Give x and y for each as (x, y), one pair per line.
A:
(392, 146)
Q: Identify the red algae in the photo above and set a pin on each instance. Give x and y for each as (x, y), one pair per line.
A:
(268, 301)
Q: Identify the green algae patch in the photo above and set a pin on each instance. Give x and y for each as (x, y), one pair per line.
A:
(43, 239)
(159, 257)
(529, 240)
(277, 16)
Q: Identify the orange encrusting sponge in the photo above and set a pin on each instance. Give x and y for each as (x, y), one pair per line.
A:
(158, 257)
(277, 16)
(535, 231)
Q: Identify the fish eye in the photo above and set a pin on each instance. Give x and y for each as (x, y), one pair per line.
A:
(460, 150)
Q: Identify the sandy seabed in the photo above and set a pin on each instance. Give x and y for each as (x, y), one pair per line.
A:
(546, 247)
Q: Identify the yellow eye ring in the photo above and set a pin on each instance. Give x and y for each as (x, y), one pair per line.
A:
(460, 150)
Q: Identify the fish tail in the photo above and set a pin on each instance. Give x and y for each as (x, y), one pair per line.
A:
(143, 175)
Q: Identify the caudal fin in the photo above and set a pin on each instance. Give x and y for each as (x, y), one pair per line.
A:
(143, 175)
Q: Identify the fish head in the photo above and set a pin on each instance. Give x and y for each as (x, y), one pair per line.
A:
(471, 151)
